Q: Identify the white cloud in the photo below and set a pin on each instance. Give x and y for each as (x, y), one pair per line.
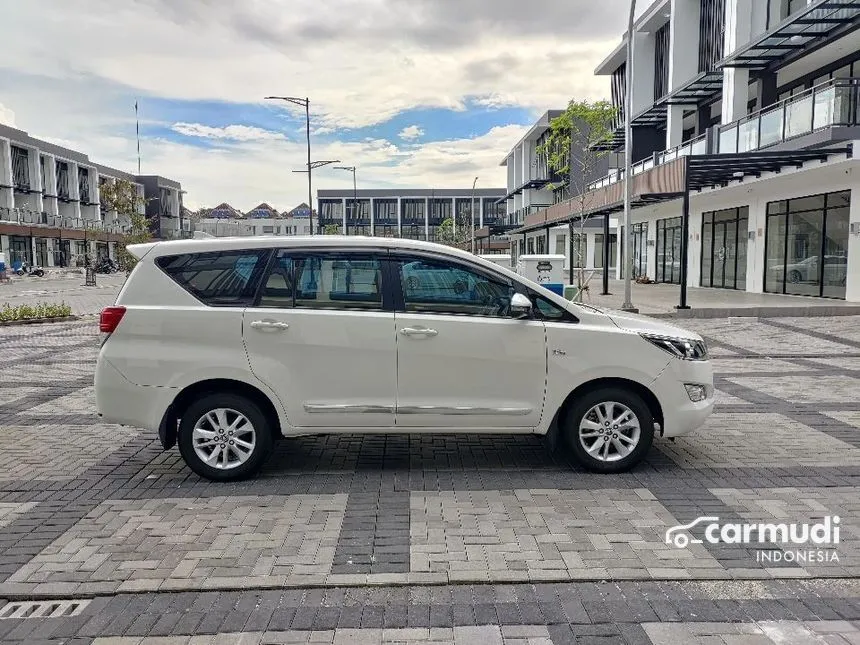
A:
(230, 132)
(7, 116)
(411, 132)
(391, 59)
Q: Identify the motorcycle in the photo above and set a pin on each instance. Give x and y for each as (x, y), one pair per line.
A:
(25, 268)
(106, 265)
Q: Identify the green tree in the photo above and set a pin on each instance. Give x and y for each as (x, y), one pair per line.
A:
(121, 196)
(572, 151)
(447, 235)
(331, 229)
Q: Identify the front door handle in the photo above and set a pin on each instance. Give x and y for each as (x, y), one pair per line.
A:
(269, 324)
(414, 331)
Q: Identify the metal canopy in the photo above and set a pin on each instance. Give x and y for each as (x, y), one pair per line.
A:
(697, 90)
(820, 21)
(528, 185)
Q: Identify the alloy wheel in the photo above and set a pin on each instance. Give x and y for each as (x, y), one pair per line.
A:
(224, 438)
(609, 431)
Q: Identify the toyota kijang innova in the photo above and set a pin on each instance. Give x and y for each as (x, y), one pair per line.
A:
(224, 345)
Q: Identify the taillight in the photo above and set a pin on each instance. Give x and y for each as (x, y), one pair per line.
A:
(110, 319)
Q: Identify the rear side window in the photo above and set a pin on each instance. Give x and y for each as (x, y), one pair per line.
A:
(218, 279)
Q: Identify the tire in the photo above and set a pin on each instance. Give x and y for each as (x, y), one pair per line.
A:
(231, 406)
(794, 276)
(582, 414)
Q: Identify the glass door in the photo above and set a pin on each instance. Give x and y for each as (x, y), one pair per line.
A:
(719, 260)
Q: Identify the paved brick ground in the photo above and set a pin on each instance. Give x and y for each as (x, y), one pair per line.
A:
(359, 538)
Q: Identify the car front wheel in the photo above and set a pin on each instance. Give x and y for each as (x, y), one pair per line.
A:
(224, 437)
(609, 430)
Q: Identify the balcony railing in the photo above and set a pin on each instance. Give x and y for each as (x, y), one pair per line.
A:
(832, 103)
(25, 217)
(519, 216)
(697, 146)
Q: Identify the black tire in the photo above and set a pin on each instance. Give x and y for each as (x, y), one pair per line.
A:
(584, 405)
(794, 276)
(251, 411)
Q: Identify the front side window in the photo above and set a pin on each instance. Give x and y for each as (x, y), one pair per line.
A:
(441, 287)
(219, 278)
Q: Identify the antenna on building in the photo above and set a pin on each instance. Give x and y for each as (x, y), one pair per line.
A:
(137, 128)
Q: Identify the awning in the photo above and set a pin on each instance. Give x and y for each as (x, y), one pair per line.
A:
(820, 21)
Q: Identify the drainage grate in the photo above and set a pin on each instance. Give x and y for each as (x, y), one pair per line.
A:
(43, 609)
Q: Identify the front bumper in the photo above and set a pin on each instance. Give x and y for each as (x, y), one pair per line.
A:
(680, 414)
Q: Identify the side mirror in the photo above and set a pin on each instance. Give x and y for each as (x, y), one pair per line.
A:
(521, 306)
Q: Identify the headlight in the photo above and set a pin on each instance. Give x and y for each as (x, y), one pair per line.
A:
(683, 348)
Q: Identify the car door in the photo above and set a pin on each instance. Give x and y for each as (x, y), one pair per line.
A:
(322, 337)
(462, 361)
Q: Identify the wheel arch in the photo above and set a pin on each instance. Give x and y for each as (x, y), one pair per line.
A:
(168, 428)
(606, 382)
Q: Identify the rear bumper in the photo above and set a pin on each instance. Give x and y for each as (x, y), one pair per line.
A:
(680, 414)
(120, 401)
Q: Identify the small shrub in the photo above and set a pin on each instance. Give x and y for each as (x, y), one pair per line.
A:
(39, 311)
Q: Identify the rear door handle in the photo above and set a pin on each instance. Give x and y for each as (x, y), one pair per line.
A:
(413, 331)
(270, 324)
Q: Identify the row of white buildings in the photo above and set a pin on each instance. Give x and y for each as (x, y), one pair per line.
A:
(746, 117)
(51, 213)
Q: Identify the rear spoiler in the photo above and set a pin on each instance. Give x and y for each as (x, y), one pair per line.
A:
(140, 250)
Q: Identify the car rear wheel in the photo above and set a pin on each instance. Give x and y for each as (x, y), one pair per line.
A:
(224, 437)
(794, 276)
(609, 430)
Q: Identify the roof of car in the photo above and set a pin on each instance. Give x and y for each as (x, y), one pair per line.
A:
(175, 247)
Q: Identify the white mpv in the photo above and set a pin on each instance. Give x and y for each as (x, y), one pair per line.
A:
(224, 345)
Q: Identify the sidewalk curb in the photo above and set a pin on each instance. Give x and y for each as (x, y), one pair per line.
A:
(38, 321)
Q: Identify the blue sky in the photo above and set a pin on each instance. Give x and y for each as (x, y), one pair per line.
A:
(400, 90)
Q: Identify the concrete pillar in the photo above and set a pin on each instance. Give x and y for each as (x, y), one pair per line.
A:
(7, 198)
(651, 249)
(372, 218)
(675, 126)
(49, 201)
(852, 284)
(399, 218)
(756, 260)
(35, 197)
(694, 249)
(736, 80)
(683, 42)
(643, 71)
(343, 212)
(426, 218)
(74, 192)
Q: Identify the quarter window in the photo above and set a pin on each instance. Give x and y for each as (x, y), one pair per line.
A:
(218, 279)
(439, 287)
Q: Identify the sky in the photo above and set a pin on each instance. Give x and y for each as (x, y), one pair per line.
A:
(419, 93)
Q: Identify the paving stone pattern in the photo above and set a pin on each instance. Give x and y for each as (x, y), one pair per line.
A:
(340, 532)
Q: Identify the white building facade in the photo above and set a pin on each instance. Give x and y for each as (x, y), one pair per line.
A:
(50, 211)
(746, 117)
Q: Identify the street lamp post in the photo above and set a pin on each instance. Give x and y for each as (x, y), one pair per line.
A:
(306, 103)
(354, 190)
(628, 162)
(313, 165)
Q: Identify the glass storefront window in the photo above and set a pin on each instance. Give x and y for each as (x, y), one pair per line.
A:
(669, 250)
(707, 248)
(835, 265)
(807, 246)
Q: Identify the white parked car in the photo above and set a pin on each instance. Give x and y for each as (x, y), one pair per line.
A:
(224, 345)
